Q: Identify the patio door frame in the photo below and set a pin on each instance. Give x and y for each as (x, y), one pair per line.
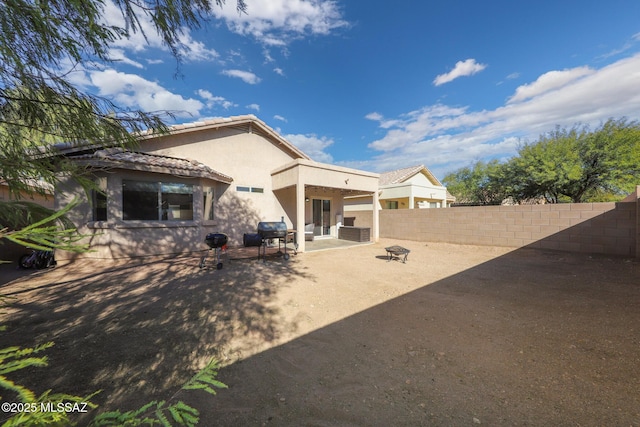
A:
(321, 215)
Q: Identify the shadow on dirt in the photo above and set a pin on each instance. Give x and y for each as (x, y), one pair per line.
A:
(139, 329)
(528, 338)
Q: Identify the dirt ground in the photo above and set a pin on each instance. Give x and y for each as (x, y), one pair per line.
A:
(457, 336)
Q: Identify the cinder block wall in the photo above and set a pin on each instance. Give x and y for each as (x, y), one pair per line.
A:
(603, 228)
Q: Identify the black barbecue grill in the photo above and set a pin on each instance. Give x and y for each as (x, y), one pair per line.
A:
(216, 242)
(271, 231)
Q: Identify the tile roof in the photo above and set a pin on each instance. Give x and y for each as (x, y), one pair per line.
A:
(123, 159)
(399, 175)
(255, 125)
(250, 121)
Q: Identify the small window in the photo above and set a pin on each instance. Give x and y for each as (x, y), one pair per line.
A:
(99, 203)
(99, 199)
(208, 203)
(250, 189)
(392, 205)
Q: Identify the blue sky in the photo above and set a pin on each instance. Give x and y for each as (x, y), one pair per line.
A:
(382, 85)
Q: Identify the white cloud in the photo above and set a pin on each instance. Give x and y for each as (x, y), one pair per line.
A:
(133, 91)
(627, 45)
(278, 117)
(255, 107)
(245, 76)
(550, 81)
(275, 22)
(213, 101)
(189, 49)
(193, 50)
(382, 122)
(313, 146)
(445, 138)
(374, 116)
(118, 55)
(462, 69)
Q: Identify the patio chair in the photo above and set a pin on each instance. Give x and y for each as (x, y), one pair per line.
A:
(308, 231)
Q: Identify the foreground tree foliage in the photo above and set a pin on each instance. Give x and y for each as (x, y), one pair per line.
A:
(41, 43)
(566, 165)
(25, 408)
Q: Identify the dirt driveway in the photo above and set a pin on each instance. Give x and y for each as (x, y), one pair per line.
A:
(457, 336)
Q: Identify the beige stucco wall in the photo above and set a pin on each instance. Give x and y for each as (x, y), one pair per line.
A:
(116, 238)
(248, 158)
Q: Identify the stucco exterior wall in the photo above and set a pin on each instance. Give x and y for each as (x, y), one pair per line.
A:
(248, 158)
(116, 238)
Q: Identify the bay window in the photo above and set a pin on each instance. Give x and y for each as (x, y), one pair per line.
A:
(156, 201)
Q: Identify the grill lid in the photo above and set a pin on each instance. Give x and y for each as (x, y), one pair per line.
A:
(216, 240)
(272, 230)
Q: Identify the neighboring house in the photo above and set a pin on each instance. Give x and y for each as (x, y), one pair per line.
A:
(42, 195)
(220, 175)
(414, 187)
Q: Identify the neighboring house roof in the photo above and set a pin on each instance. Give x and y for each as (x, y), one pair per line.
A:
(123, 159)
(401, 175)
(451, 197)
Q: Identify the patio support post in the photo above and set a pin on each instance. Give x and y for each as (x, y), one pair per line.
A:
(376, 213)
(411, 198)
(300, 207)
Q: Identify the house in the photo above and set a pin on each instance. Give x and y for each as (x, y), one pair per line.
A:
(406, 188)
(41, 194)
(221, 175)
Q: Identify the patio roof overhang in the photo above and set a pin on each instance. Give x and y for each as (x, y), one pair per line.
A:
(312, 174)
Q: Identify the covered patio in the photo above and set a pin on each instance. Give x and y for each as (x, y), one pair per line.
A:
(329, 244)
(313, 193)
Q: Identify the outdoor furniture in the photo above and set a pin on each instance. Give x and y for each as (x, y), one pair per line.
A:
(355, 234)
(308, 231)
(292, 237)
(398, 252)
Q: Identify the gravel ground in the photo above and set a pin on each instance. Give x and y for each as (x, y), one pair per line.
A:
(457, 335)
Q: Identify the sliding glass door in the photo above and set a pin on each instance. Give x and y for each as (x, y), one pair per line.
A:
(322, 217)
